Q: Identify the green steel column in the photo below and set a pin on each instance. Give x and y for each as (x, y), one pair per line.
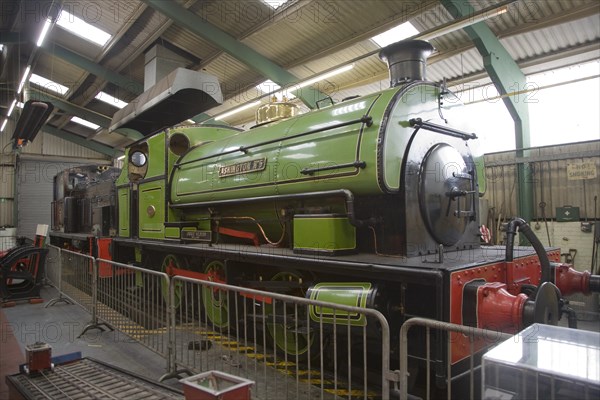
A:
(507, 78)
(204, 29)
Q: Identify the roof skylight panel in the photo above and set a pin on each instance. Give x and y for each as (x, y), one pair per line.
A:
(48, 84)
(82, 29)
(108, 99)
(396, 34)
(275, 4)
(83, 122)
(269, 86)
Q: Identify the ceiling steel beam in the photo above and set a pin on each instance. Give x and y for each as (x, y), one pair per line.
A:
(507, 77)
(236, 49)
(82, 112)
(73, 109)
(81, 141)
(90, 66)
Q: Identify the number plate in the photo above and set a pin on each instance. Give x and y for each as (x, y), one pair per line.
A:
(202, 236)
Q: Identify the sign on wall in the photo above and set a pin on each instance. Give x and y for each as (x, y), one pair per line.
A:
(581, 170)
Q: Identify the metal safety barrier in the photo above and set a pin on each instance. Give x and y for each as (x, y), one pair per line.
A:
(53, 265)
(54, 277)
(470, 334)
(131, 300)
(73, 275)
(290, 346)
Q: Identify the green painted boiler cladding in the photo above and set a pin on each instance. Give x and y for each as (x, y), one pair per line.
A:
(392, 172)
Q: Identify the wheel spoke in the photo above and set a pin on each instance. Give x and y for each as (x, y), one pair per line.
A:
(216, 303)
(171, 261)
(291, 337)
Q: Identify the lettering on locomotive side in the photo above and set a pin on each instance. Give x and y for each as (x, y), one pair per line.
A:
(242, 168)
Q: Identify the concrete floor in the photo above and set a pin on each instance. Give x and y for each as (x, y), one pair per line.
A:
(59, 326)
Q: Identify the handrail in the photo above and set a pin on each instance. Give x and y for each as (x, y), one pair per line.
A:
(244, 149)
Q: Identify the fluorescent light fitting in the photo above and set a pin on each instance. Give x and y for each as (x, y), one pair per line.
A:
(82, 29)
(83, 122)
(1, 47)
(45, 30)
(236, 110)
(274, 4)
(12, 107)
(48, 84)
(190, 121)
(396, 34)
(108, 99)
(24, 79)
(121, 157)
(3, 125)
(323, 76)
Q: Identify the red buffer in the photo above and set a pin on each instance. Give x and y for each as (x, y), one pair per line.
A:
(491, 306)
(494, 308)
(571, 281)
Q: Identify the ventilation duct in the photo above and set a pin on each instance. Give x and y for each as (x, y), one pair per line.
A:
(178, 96)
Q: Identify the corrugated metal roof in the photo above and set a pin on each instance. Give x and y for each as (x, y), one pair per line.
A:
(321, 25)
(235, 76)
(136, 39)
(309, 37)
(190, 42)
(467, 62)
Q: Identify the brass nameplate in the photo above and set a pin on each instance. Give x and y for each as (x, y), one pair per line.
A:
(242, 168)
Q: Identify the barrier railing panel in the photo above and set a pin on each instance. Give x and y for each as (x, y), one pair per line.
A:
(130, 299)
(53, 264)
(290, 346)
(76, 278)
(430, 390)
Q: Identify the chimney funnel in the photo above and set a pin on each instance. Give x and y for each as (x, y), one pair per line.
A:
(406, 60)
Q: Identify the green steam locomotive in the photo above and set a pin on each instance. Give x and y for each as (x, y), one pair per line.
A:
(379, 192)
